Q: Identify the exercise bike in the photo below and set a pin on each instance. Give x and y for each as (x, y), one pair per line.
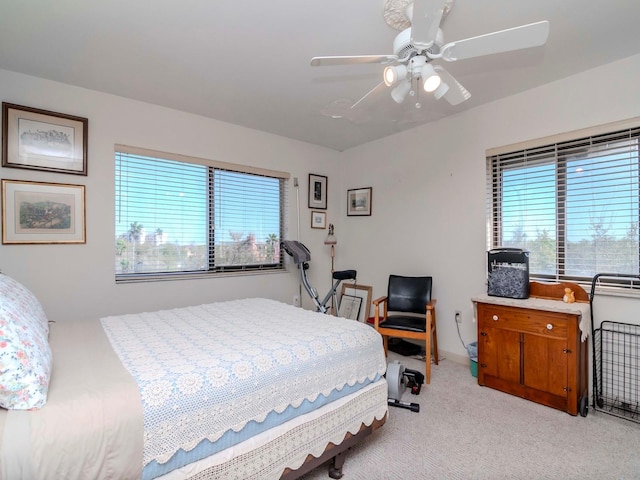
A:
(397, 375)
(301, 256)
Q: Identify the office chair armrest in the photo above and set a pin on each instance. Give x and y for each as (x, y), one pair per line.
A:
(432, 304)
(376, 304)
(380, 300)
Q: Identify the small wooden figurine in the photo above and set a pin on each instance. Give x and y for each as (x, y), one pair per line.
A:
(569, 297)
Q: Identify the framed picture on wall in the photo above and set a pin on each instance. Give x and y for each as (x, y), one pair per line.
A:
(36, 212)
(359, 201)
(318, 219)
(317, 191)
(42, 140)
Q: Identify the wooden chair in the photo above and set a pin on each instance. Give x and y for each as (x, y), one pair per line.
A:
(413, 314)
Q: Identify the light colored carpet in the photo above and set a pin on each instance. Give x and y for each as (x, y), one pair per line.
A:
(464, 431)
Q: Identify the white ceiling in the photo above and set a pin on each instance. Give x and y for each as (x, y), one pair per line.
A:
(247, 62)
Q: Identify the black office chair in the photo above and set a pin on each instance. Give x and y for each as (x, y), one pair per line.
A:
(413, 314)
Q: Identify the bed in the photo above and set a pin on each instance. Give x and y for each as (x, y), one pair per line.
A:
(242, 389)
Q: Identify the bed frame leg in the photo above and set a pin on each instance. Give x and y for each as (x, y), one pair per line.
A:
(335, 469)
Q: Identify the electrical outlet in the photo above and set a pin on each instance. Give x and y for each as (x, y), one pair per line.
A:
(296, 300)
(458, 316)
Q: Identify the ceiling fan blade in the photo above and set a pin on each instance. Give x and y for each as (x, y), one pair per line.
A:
(342, 109)
(352, 60)
(337, 108)
(456, 93)
(373, 91)
(425, 21)
(524, 36)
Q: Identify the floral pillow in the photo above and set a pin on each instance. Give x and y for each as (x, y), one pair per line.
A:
(25, 355)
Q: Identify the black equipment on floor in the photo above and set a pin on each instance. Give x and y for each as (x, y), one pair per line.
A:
(399, 378)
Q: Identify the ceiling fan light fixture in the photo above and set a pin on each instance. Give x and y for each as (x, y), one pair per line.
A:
(400, 92)
(431, 79)
(393, 75)
(421, 42)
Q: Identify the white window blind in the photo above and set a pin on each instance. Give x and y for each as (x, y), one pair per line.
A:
(574, 205)
(180, 217)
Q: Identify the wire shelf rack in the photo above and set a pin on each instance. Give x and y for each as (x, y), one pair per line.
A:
(616, 365)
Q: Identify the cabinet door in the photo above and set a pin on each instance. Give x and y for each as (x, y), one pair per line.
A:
(499, 353)
(545, 364)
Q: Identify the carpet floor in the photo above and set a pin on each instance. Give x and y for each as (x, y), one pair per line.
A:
(464, 431)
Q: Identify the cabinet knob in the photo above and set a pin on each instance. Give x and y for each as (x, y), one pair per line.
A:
(549, 326)
(495, 318)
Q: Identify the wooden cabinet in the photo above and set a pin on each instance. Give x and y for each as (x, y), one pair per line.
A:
(534, 354)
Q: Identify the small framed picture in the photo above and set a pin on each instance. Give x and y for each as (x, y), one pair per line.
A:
(36, 212)
(363, 292)
(318, 219)
(359, 202)
(317, 191)
(41, 140)
(350, 306)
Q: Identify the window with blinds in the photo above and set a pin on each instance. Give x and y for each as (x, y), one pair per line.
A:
(573, 204)
(176, 216)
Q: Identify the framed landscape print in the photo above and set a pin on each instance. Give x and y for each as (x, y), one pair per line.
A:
(36, 212)
(359, 201)
(41, 140)
(318, 220)
(317, 191)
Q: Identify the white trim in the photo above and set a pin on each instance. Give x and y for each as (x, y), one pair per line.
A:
(145, 152)
(565, 137)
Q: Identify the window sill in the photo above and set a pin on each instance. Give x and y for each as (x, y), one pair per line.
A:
(167, 277)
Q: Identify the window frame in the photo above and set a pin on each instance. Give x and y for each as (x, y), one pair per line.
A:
(211, 165)
(554, 145)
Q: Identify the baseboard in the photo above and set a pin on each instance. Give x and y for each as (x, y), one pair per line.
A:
(454, 357)
(442, 354)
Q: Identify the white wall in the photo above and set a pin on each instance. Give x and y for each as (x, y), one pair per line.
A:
(429, 187)
(428, 195)
(77, 281)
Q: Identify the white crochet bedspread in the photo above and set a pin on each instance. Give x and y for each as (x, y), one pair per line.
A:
(206, 369)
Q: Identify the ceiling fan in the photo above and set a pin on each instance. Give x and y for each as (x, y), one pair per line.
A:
(415, 49)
